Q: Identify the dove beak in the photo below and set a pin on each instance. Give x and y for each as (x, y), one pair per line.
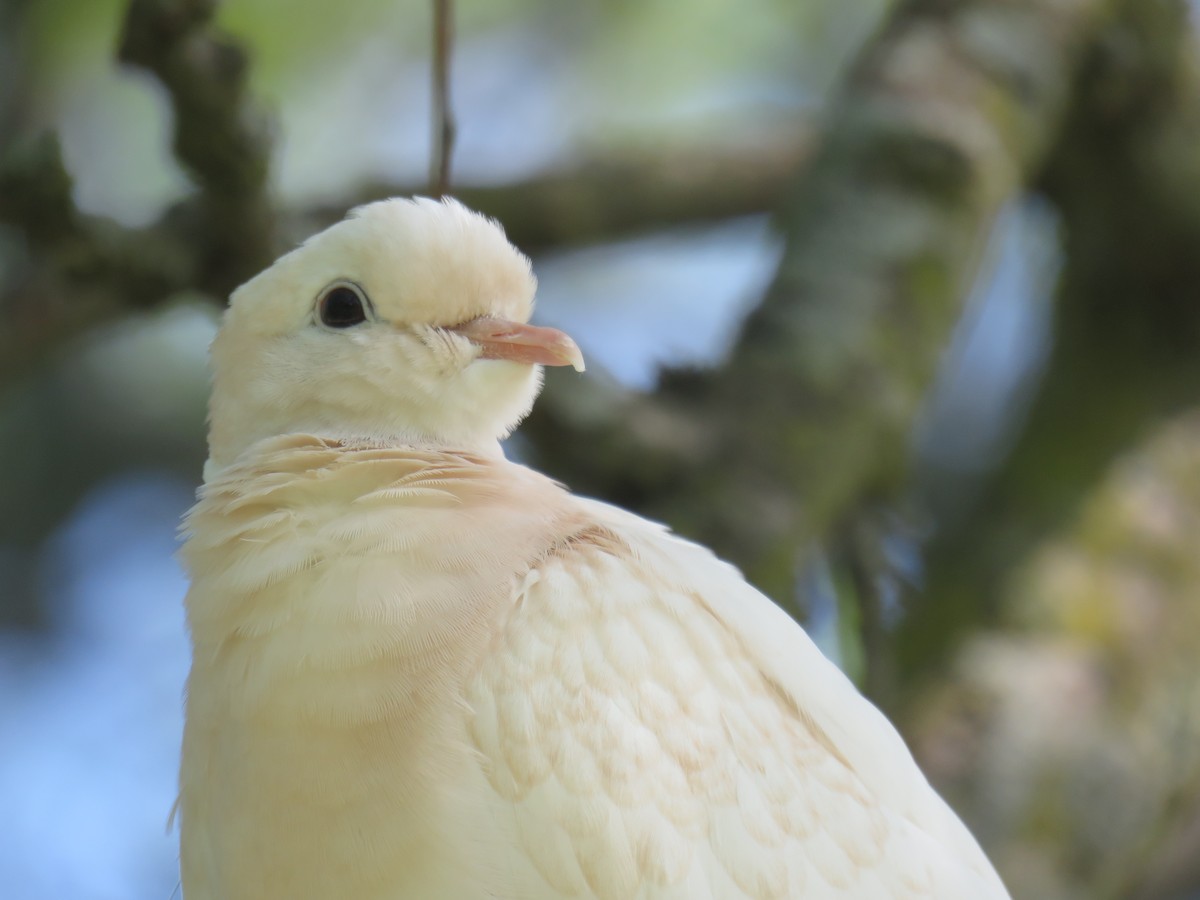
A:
(518, 342)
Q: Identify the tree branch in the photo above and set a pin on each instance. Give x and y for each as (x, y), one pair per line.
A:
(80, 270)
(615, 196)
(85, 270)
(220, 138)
(1126, 179)
(947, 115)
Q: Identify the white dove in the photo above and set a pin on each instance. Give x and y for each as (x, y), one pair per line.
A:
(423, 671)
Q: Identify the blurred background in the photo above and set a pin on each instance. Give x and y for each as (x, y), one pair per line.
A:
(897, 305)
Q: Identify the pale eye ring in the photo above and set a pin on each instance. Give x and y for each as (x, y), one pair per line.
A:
(342, 305)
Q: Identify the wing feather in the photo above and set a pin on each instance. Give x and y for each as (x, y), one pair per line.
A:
(662, 730)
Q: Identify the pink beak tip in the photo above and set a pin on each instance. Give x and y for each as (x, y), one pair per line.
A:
(521, 342)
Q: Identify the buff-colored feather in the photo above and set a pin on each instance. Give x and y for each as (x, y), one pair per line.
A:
(422, 671)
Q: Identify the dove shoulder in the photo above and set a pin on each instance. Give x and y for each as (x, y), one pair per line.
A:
(660, 729)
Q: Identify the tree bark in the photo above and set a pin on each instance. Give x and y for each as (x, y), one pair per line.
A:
(1125, 176)
(948, 114)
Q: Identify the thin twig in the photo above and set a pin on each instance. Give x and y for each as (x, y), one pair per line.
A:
(443, 116)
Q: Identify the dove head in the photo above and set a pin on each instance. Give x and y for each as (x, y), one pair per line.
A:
(404, 323)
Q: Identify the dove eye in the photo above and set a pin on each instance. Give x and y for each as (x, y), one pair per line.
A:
(342, 305)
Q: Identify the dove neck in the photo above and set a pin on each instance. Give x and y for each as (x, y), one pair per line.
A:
(221, 457)
(470, 409)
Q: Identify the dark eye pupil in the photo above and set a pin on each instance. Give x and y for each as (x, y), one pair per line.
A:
(342, 307)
